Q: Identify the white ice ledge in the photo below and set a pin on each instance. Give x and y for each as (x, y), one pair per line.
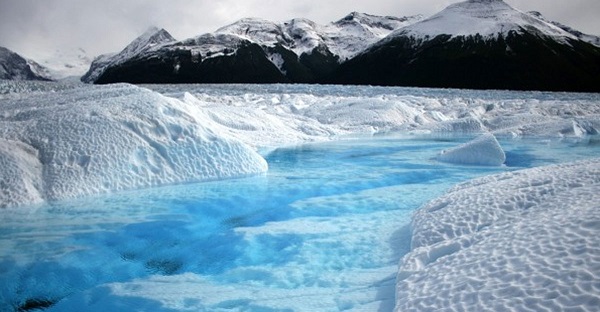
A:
(96, 140)
(517, 241)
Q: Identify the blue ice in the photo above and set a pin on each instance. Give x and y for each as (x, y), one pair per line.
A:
(323, 230)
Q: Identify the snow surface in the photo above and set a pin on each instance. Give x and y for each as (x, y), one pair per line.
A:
(94, 140)
(484, 150)
(517, 241)
(488, 18)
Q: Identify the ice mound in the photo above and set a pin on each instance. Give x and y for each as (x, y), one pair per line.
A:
(484, 150)
(525, 240)
(94, 140)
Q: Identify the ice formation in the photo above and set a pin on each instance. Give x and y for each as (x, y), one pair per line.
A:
(95, 140)
(134, 137)
(484, 150)
(516, 241)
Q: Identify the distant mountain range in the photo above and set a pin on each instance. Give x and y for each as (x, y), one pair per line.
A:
(476, 44)
(248, 51)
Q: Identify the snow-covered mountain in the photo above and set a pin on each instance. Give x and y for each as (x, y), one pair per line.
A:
(487, 18)
(150, 39)
(298, 50)
(15, 67)
(483, 44)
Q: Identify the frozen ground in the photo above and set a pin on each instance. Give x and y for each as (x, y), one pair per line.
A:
(325, 227)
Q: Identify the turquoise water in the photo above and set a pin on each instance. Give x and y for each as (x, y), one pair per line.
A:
(323, 229)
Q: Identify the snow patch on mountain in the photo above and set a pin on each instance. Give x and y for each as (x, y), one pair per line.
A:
(344, 38)
(487, 18)
(595, 40)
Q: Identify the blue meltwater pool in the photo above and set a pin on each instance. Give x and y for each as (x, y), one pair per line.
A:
(323, 230)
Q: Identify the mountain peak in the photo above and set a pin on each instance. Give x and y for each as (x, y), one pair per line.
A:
(152, 37)
(487, 18)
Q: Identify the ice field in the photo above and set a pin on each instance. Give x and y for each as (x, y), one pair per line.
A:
(297, 198)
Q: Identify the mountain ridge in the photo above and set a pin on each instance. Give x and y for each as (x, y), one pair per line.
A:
(480, 44)
(300, 50)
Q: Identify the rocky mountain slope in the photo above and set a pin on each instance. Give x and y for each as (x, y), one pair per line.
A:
(250, 50)
(478, 44)
(15, 67)
(475, 44)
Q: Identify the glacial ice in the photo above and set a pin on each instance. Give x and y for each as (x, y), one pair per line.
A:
(515, 241)
(95, 140)
(91, 139)
(484, 150)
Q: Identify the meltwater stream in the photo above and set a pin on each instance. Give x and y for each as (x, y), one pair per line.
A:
(323, 230)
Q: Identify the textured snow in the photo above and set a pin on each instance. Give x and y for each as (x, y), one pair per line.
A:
(484, 150)
(516, 241)
(272, 116)
(94, 140)
(488, 18)
(133, 137)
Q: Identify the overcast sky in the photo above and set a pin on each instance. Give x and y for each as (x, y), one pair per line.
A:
(36, 28)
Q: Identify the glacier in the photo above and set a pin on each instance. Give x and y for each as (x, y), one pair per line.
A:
(519, 239)
(83, 141)
(73, 140)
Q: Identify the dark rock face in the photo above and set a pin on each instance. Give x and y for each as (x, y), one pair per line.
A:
(248, 65)
(517, 61)
(15, 67)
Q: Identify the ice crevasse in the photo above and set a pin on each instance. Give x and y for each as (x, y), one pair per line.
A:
(87, 141)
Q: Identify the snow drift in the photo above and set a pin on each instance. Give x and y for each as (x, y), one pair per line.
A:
(96, 140)
(515, 241)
